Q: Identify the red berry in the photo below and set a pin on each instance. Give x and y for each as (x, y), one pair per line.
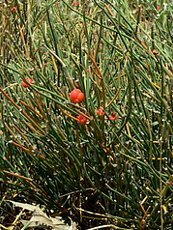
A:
(155, 52)
(76, 96)
(14, 10)
(159, 7)
(82, 119)
(26, 83)
(75, 3)
(113, 117)
(100, 111)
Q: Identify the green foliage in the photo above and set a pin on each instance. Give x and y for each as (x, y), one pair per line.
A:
(116, 172)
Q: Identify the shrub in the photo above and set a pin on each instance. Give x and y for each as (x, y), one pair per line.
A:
(117, 168)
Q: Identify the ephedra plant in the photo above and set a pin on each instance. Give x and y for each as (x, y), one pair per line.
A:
(86, 110)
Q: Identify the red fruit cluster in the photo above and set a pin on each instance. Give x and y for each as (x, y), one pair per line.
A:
(100, 111)
(77, 96)
(82, 119)
(27, 82)
(113, 116)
